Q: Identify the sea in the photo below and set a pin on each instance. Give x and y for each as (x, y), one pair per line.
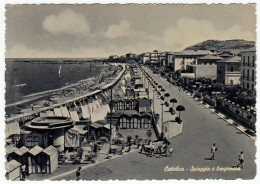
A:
(25, 78)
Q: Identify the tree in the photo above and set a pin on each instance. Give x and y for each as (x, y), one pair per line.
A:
(237, 112)
(173, 100)
(167, 95)
(180, 108)
(166, 104)
(162, 98)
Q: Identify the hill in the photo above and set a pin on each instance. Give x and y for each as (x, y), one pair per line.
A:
(222, 45)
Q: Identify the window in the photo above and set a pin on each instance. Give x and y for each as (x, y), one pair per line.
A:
(253, 87)
(247, 85)
(123, 123)
(243, 84)
(243, 75)
(232, 69)
(247, 74)
(248, 61)
(253, 75)
(253, 62)
(244, 59)
(231, 82)
(135, 124)
(128, 120)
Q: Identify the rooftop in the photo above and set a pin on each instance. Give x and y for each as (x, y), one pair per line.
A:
(235, 59)
(193, 53)
(252, 49)
(210, 57)
(12, 165)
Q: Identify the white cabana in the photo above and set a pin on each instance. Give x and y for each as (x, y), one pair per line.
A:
(85, 112)
(65, 112)
(74, 116)
(57, 112)
(50, 113)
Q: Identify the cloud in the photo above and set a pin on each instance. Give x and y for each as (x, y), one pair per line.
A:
(123, 29)
(192, 31)
(67, 22)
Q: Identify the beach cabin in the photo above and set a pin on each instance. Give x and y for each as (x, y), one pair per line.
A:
(9, 150)
(35, 162)
(50, 156)
(20, 155)
(13, 170)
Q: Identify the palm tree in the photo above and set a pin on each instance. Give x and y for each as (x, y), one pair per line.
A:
(180, 108)
(160, 87)
(173, 100)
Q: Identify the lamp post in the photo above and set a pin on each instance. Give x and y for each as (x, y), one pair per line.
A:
(110, 122)
(148, 89)
(153, 100)
(162, 133)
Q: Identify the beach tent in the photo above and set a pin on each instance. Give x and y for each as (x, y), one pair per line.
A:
(74, 116)
(43, 114)
(9, 150)
(97, 115)
(91, 107)
(57, 112)
(65, 112)
(13, 170)
(85, 112)
(72, 138)
(50, 113)
(35, 161)
(12, 128)
(51, 158)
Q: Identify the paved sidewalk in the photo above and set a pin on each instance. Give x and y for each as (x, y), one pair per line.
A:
(231, 121)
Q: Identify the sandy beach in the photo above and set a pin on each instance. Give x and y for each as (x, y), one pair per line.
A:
(56, 96)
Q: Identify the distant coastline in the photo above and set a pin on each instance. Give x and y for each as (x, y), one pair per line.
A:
(57, 60)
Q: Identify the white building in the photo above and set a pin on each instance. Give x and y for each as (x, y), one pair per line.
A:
(248, 69)
(182, 59)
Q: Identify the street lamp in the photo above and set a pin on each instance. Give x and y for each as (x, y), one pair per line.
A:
(162, 133)
(153, 100)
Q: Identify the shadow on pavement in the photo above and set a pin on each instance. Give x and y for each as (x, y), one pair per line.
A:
(207, 159)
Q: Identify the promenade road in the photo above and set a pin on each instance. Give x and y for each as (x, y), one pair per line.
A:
(201, 128)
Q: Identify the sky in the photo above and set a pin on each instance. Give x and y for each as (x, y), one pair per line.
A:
(50, 31)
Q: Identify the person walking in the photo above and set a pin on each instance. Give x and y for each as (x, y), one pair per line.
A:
(241, 160)
(78, 173)
(23, 172)
(213, 151)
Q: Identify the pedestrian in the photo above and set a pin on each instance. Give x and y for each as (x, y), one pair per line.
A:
(170, 151)
(78, 173)
(23, 172)
(241, 160)
(213, 151)
(95, 149)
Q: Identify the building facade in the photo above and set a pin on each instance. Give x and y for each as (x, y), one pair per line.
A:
(131, 113)
(228, 71)
(186, 57)
(248, 69)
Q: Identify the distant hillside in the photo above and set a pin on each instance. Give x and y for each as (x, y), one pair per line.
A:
(222, 45)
